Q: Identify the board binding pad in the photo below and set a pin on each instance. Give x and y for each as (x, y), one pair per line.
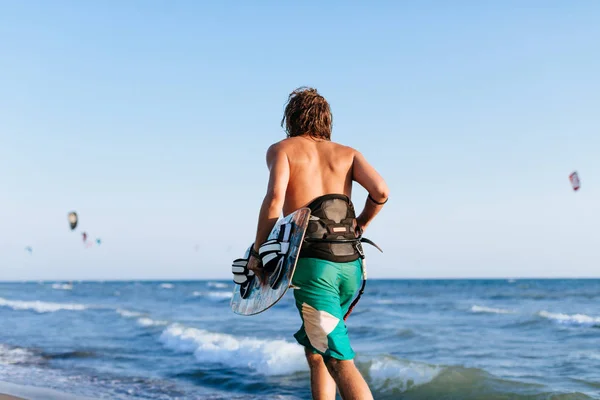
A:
(261, 297)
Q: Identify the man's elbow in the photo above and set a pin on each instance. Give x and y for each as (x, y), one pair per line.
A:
(381, 192)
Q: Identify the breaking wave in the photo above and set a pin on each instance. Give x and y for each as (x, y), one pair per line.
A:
(145, 321)
(389, 374)
(16, 355)
(62, 286)
(142, 319)
(218, 285)
(266, 356)
(40, 306)
(213, 295)
(483, 309)
(573, 319)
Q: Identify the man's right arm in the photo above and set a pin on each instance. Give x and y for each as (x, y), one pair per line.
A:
(368, 178)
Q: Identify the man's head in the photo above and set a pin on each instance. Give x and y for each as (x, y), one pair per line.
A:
(307, 112)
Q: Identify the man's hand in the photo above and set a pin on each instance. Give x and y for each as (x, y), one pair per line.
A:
(255, 265)
(360, 227)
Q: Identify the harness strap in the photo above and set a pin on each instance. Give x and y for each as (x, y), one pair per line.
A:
(360, 293)
(364, 283)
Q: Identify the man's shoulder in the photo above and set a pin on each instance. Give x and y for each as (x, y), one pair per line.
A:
(286, 144)
(276, 147)
(346, 148)
(281, 146)
(276, 151)
(342, 149)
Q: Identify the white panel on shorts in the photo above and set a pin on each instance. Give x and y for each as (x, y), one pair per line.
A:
(318, 324)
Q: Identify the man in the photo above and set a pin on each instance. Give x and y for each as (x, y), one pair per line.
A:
(308, 169)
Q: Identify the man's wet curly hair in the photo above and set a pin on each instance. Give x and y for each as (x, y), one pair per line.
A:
(307, 112)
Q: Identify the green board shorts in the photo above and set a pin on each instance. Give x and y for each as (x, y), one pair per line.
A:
(326, 290)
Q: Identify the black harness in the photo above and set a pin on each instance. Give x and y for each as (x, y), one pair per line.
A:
(331, 234)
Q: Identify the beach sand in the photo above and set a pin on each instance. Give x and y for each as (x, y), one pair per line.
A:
(8, 397)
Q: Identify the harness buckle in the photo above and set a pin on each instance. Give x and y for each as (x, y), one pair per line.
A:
(359, 249)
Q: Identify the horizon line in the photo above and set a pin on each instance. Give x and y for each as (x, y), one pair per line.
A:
(227, 279)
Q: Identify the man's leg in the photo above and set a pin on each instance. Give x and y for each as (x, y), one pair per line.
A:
(325, 291)
(322, 385)
(349, 380)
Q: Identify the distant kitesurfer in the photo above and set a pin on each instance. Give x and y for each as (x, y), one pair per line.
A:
(307, 169)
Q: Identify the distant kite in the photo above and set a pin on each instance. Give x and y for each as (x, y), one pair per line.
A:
(84, 236)
(574, 178)
(29, 249)
(73, 220)
(98, 241)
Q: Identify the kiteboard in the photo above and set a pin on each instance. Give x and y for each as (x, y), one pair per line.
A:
(262, 296)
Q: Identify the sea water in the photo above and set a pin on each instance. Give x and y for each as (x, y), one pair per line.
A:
(414, 339)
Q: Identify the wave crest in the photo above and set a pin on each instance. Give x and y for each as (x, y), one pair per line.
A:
(15, 355)
(483, 309)
(571, 319)
(142, 318)
(389, 374)
(218, 285)
(62, 286)
(128, 314)
(213, 295)
(40, 306)
(268, 357)
(145, 321)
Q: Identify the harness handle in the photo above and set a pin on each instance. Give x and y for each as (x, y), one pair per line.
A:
(358, 239)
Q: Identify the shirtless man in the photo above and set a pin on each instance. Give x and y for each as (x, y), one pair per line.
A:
(307, 169)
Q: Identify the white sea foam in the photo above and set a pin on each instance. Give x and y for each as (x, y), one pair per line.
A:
(570, 319)
(483, 309)
(15, 355)
(40, 306)
(218, 285)
(142, 319)
(167, 285)
(145, 321)
(268, 357)
(62, 286)
(391, 374)
(128, 314)
(220, 295)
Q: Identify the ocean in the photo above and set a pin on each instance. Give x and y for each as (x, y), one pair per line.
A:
(414, 339)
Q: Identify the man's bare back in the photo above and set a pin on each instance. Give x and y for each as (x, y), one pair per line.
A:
(316, 167)
(303, 168)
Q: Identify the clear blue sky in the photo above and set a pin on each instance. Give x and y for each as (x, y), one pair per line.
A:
(151, 119)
